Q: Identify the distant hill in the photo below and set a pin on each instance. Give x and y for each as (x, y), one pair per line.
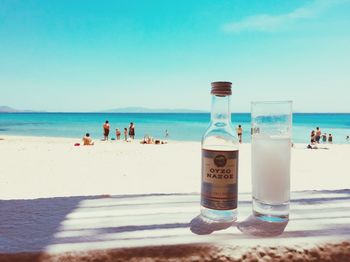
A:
(7, 109)
(151, 110)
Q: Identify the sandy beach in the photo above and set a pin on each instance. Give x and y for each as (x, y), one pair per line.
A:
(38, 167)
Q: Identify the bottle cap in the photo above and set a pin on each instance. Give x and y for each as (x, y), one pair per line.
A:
(221, 88)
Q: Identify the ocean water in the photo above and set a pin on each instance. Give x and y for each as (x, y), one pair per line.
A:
(181, 126)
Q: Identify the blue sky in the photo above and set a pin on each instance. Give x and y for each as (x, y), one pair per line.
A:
(94, 55)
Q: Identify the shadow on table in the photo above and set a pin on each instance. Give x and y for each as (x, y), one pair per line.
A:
(252, 226)
(202, 226)
(30, 225)
(257, 227)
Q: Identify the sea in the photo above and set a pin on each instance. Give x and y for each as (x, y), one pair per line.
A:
(180, 126)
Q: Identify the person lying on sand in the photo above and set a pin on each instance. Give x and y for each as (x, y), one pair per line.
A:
(149, 140)
(87, 141)
(316, 147)
(160, 142)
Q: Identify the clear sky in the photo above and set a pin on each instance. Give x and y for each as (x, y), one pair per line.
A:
(89, 55)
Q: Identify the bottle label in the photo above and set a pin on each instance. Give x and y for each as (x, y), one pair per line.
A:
(219, 179)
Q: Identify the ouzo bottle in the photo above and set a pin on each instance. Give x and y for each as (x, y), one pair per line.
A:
(219, 187)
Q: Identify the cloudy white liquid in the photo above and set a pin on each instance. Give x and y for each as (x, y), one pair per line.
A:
(271, 168)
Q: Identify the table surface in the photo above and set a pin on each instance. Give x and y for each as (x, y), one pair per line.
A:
(80, 224)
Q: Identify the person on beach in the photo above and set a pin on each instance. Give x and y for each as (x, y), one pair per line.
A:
(132, 130)
(347, 138)
(311, 146)
(150, 140)
(117, 133)
(318, 135)
(125, 134)
(312, 137)
(106, 128)
(87, 141)
(324, 138)
(239, 133)
(147, 140)
(166, 134)
(330, 138)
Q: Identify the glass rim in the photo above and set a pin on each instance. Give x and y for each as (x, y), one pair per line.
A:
(272, 102)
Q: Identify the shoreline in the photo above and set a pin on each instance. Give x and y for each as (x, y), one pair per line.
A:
(3, 137)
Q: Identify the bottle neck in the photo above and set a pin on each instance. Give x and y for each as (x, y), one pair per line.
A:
(220, 109)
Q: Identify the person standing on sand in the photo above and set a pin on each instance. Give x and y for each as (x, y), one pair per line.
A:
(106, 128)
(117, 133)
(324, 138)
(330, 138)
(312, 137)
(125, 134)
(318, 135)
(132, 130)
(240, 133)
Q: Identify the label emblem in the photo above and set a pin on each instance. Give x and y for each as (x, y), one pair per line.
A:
(220, 161)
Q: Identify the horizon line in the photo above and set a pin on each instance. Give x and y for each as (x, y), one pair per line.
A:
(160, 112)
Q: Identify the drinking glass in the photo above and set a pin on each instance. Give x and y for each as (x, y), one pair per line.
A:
(271, 129)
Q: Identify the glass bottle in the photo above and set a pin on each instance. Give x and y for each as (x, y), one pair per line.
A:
(220, 159)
